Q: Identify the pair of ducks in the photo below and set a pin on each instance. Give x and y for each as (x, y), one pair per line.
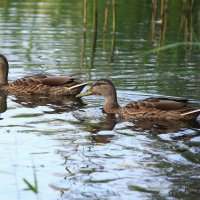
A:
(148, 109)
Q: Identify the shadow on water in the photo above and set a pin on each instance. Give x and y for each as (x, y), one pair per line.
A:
(57, 104)
(163, 127)
(107, 124)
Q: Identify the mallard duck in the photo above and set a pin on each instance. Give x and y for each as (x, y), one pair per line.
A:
(150, 108)
(39, 83)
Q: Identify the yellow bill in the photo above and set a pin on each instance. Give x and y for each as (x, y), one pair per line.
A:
(87, 93)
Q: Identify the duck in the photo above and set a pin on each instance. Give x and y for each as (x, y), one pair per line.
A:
(39, 83)
(155, 108)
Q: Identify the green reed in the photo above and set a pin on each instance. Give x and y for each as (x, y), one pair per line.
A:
(167, 47)
(32, 187)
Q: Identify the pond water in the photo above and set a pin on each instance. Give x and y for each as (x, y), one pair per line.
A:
(74, 150)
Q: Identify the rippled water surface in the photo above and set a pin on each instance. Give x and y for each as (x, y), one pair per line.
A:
(74, 150)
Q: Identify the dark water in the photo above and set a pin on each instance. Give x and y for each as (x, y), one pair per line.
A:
(76, 151)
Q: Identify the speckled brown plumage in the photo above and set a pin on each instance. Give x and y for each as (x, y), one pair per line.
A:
(151, 108)
(38, 84)
(158, 109)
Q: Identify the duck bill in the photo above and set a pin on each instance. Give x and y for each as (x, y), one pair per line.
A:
(87, 93)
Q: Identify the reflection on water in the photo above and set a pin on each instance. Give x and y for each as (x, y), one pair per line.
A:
(58, 104)
(77, 151)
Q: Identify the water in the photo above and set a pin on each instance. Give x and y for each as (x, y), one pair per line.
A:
(76, 151)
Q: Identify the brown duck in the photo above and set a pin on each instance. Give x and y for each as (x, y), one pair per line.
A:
(150, 108)
(38, 84)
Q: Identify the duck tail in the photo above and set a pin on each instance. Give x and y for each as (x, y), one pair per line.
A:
(191, 112)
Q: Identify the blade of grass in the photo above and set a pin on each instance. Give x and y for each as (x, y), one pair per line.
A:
(166, 47)
(32, 187)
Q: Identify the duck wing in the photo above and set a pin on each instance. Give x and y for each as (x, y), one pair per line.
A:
(57, 80)
(158, 103)
(46, 84)
(44, 79)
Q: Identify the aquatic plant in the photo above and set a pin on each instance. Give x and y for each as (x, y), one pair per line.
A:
(33, 187)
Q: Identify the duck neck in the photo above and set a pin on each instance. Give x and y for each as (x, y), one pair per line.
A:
(3, 72)
(111, 104)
